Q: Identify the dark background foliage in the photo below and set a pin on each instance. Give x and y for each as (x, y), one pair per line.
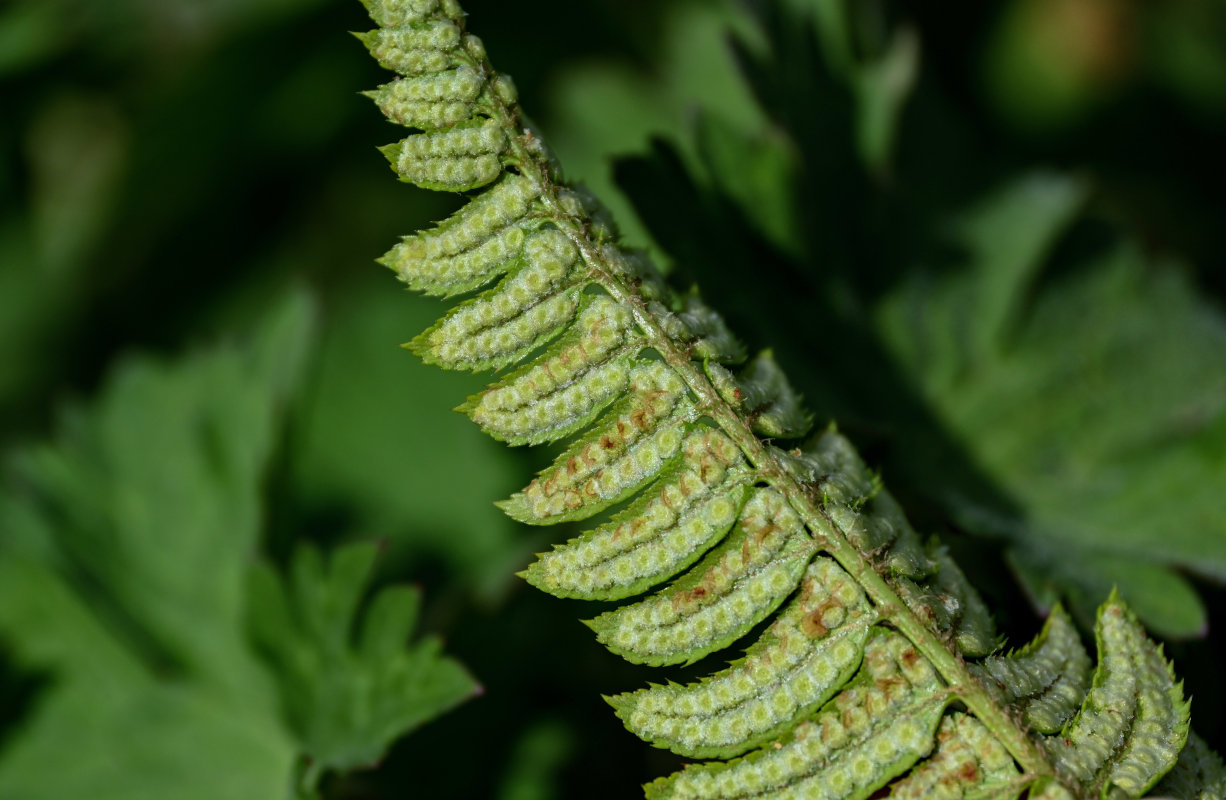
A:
(984, 238)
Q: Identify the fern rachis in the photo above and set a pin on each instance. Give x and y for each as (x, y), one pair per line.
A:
(860, 678)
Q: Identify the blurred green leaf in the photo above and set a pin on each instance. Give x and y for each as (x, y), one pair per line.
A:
(615, 106)
(349, 687)
(756, 173)
(882, 87)
(77, 145)
(29, 33)
(126, 578)
(1185, 41)
(122, 570)
(1096, 400)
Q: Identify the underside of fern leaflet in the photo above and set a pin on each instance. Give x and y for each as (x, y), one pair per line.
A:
(871, 672)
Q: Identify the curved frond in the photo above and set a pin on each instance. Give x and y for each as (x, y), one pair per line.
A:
(870, 671)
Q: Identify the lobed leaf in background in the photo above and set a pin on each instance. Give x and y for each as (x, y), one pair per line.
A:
(1064, 389)
(1092, 399)
(226, 139)
(126, 548)
(348, 692)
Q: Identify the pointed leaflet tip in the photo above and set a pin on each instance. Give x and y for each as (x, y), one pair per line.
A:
(511, 506)
(621, 702)
(392, 153)
(517, 509)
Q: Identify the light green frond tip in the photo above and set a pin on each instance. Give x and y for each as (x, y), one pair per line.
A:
(667, 529)
(425, 48)
(568, 385)
(456, 159)
(403, 13)
(430, 101)
(481, 242)
(530, 307)
(636, 440)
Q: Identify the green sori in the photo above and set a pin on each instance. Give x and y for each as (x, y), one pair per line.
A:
(867, 678)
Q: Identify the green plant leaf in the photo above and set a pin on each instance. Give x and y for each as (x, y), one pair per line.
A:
(349, 684)
(126, 585)
(1089, 399)
(691, 68)
(122, 566)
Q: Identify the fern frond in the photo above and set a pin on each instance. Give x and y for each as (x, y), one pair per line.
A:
(1047, 679)
(867, 674)
(635, 441)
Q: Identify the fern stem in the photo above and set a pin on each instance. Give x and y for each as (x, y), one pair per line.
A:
(526, 146)
(952, 668)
